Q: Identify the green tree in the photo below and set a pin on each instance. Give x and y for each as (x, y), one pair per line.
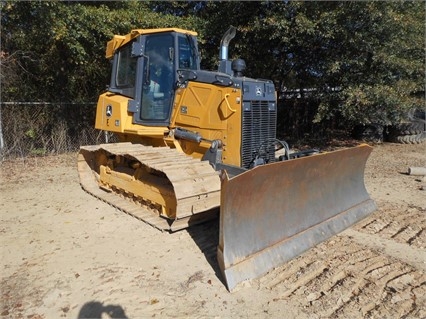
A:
(62, 45)
(377, 61)
(360, 61)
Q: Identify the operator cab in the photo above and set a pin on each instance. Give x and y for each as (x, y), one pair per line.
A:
(145, 70)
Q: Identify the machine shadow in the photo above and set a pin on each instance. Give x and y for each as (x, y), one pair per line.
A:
(97, 310)
(206, 236)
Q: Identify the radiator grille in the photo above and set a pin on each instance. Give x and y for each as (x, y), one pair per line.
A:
(259, 124)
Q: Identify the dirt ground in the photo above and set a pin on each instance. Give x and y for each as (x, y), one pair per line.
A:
(65, 254)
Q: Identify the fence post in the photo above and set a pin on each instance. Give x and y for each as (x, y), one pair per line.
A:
(1, 132)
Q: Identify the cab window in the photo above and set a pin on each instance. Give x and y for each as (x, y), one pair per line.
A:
(126, 69)
(186, 55)
(158, 89)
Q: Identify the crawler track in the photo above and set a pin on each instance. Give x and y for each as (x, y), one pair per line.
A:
(192, 186)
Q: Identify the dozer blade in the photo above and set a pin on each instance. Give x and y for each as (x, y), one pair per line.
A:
(274, 212)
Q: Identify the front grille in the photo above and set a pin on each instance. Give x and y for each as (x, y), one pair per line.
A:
(259, 125)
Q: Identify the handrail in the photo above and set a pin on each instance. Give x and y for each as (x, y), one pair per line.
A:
(227, 103)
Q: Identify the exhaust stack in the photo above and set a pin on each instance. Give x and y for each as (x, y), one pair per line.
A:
(225, 64)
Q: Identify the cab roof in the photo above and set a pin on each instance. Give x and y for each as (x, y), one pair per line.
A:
(119, 40)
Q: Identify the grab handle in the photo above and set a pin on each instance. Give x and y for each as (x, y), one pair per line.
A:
(227, 103)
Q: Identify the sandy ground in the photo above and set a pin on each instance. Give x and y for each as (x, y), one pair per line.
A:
(65, 254)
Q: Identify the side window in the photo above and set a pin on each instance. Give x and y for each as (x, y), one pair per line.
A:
(186, 56)
(126, 68)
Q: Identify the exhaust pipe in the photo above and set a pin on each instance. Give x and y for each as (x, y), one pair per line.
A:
(224, 43)
(225, 64)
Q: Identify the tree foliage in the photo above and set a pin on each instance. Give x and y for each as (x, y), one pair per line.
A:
(63, 45)
(360, 61)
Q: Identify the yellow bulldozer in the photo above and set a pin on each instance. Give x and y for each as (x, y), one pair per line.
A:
(195, 144)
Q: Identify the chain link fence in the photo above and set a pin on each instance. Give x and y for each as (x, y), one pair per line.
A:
(38, 129)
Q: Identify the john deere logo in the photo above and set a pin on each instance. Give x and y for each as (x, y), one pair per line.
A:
(108, 111)
(258, 91)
